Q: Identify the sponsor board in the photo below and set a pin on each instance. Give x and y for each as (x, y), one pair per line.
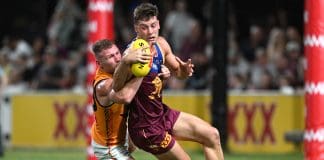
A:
(255, 123)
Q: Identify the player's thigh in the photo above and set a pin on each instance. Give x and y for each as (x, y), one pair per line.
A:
(175, 153)
(190, 127)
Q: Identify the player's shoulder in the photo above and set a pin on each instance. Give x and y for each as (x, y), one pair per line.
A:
(163, 44)
(161, 40)
(104, 85)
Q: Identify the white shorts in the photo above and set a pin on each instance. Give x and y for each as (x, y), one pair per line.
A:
(118, 152)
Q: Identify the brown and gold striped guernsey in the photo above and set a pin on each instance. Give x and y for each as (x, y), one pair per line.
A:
(109, 127)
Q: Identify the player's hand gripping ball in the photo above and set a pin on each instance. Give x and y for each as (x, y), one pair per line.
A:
(141, 69)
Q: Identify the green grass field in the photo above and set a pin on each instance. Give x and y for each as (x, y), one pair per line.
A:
(77, 154)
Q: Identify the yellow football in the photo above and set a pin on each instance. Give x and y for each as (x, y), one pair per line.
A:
(141, 69)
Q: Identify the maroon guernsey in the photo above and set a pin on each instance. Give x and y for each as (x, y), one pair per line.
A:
(151, 121)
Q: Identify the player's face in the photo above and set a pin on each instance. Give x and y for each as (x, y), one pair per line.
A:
(109, 59)
(148, 30)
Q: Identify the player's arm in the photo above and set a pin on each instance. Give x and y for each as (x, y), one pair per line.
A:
(127, 93)
(102, 90)
(106, 95)
(177, 67)
(122, 73)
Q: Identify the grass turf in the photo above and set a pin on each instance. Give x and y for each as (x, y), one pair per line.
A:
(79, 154)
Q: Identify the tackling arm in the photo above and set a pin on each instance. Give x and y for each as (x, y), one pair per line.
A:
(121, 76)
(106, 95)
(127, 93)
(122, 73)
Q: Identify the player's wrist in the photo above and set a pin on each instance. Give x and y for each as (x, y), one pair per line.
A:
(126, 61)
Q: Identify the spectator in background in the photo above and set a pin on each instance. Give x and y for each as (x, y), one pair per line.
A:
(3, 81)
(261, 68)
(17, 73)
(194, 47)
(51, 73)
(284, 85)
(276, 44)
(15, 46)
(4, 63)
(74, 77)
(236, 82)
(266, 81)
(293, 34)
(293, 53)
(282, 69)
(63, 23)
(178, 25)
(255, 40)
(124, 33)
(237, 67)
(273, 35)
(13, 74)
(38, 46)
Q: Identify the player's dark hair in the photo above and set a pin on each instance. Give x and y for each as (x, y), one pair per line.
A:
(101, 45)
(144, 12)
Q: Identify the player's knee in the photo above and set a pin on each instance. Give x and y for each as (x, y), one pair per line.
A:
(213, 137)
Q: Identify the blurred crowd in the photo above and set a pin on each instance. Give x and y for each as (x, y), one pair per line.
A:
(270, 57)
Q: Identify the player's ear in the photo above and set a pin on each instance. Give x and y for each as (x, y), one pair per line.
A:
(98, 63)
(136, 28)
